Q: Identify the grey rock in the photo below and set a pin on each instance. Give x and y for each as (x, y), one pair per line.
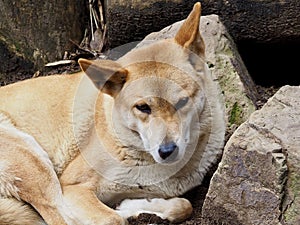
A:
(257, 180)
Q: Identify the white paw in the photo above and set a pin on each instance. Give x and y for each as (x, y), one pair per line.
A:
(174, 209)
(128, 208)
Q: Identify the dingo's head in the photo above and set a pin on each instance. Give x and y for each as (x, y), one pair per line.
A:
(157, 91)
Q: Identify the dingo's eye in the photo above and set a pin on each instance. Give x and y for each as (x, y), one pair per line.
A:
(181, 103)
(144, 108)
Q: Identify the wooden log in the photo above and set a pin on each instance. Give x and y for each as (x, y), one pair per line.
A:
(262, 21)
(40, 31)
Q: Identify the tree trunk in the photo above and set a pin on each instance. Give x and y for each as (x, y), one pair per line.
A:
(263, 21)
(33, 33)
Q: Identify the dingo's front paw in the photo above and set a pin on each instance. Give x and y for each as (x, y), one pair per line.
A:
(174, 209)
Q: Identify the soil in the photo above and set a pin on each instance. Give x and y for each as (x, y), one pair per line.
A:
(196, 196)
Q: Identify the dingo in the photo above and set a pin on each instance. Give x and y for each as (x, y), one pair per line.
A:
(137, 133)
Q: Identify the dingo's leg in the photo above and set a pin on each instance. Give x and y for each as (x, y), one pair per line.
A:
(174, 209)
(27, 174)
(89, 209)
(80, 183)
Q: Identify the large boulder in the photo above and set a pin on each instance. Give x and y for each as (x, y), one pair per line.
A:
(225, 64)
(258, 179)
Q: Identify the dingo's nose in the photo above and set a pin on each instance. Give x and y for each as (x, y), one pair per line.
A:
(166, 150)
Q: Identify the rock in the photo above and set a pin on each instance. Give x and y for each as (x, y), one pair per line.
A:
(263, 21)
(225, 64)
(258, 178)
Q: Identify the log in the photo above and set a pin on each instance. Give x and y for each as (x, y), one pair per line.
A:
(262, 21)
(38, 32)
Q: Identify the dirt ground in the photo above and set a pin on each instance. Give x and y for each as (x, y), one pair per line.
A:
(196, 196)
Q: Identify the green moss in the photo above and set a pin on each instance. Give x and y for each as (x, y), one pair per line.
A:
(235, 114)
(238, 105)
(291, 215)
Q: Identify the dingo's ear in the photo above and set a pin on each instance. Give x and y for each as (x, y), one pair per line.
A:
(108, 76)
(188, 35)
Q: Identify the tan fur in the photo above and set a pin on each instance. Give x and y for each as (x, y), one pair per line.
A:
(72, 152)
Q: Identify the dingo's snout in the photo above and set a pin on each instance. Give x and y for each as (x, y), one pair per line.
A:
(167, 150)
